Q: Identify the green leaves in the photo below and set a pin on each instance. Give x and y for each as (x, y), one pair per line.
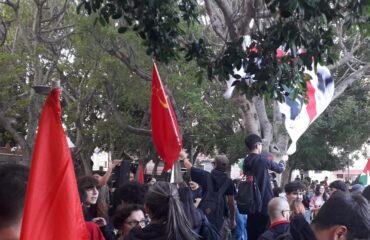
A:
(295, 25)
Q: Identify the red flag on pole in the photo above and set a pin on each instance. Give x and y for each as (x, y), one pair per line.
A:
(52, 206)
(140, 177)
(165, 130)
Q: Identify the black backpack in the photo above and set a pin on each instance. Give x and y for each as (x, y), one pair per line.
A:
(213, 203)
(248, 199)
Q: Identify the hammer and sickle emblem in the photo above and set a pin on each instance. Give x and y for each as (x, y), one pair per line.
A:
(162, 102)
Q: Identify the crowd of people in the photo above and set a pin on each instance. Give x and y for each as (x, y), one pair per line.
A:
(204, 206)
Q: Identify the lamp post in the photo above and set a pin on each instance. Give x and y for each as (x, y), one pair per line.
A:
(347, 155)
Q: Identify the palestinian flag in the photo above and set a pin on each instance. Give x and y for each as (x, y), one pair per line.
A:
(365, 175)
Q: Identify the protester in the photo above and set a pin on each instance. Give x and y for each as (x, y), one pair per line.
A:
(103, 178)
(357, 188)
(129, 193)
(318, 199)
(168, 220)
(294, 190)
(94, 208)
(338, 185)
(259, 164)
(219, 179)
(193, 215)
(279, 214)
(13, 186)
(196, 191)
(126, 218)
(344, 216)
(151, 181)
(299, 227)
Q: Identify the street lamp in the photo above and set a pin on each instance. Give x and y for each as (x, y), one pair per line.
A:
(347, 154)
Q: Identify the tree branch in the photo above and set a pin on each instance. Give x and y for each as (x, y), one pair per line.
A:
(228, 16)
(339, 89)
(4, 122)
(215, 19)
(266, 127)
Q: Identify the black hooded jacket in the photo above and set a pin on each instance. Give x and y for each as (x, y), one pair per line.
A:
(259, 164)
(218, 178)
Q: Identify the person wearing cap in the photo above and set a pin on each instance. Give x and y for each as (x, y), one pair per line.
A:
(219, 177)
(260, 163)
(357, 188)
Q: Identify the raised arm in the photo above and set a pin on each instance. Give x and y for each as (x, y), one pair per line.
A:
(111, 165)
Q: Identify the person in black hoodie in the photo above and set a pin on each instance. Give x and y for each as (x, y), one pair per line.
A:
(259, 163)
(219, 178)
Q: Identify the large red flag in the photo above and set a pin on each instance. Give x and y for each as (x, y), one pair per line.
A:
(165, 130)
(52, 206)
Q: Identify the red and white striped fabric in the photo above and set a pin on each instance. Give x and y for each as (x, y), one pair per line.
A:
(298, 114)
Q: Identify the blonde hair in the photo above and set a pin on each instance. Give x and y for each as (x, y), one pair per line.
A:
(297, 208)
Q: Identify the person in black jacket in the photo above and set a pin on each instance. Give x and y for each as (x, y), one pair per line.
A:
(279, 214)
(259, 163)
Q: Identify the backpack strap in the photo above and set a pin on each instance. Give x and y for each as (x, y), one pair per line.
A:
(210, 187)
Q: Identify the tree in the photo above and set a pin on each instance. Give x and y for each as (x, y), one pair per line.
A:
(313, 25)
(36, 35)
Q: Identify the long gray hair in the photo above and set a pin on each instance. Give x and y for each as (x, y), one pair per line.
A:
(164, 203)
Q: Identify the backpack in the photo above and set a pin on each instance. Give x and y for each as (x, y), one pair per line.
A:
(213, 203)
(248, 199)
(268, 235)
(208, 231)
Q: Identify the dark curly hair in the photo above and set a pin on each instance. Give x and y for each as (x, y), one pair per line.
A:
(123, 212)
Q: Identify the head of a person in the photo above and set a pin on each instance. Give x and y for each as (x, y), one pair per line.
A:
(151, 181)
(127, 217)
(98, 174)
(253, 143)
(131, 193)
(294, 190)
(297, 208)
(88, 188)
(319, 190)
(278, 209)
(132, 177)
(163, 204)
(13, 186)
(366, 193)
(357, 188)
(338, 185)
(221, 163)
(344, 216)
(193, 185)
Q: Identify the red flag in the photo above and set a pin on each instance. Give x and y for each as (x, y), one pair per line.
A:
(165, 130)
(52, 206)
(140, 177)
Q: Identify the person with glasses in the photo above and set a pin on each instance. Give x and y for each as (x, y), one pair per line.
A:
(279, 214)
(128, 217)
